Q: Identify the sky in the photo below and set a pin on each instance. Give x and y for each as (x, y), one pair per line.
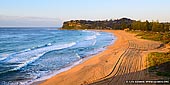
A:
(63, 10)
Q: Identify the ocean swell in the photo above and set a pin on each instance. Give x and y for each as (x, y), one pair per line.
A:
(27, 57)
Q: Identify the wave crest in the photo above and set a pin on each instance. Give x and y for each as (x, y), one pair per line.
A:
(25, 58)
(90, 37)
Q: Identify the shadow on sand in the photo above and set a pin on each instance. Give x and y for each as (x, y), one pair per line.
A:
(144, 77)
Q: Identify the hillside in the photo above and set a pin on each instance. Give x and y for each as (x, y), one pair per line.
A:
(106, 24)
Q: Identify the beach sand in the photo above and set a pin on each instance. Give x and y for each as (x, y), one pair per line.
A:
(123, 60)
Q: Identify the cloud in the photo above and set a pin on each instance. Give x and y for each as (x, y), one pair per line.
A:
(15, 21)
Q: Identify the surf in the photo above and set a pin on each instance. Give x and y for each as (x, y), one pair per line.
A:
(27, 57)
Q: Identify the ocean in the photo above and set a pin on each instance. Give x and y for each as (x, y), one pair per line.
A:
(29, 54)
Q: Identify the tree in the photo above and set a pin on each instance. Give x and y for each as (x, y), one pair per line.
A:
(155, 26)
(148, 27)
(136, 25)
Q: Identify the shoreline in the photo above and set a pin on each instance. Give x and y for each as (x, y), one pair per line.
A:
(108, 64)
(84, 60)
(43, 79)
(79, 62)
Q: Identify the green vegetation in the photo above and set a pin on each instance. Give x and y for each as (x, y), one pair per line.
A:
(118, 24)
(150, 26)
(163, 74)
(156, 59)
(159, 63)
(106, 24)
(147, 30)
(156, 36)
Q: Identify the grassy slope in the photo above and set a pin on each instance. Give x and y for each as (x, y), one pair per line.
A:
(159, 62)
(156, 36)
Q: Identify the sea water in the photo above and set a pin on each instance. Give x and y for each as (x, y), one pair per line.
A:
(28, 54)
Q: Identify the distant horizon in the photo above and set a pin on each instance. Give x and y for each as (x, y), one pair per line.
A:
(55, 12)
(61, 22)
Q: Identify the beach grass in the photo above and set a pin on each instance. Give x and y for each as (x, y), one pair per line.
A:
(159, 63)
(164, 37)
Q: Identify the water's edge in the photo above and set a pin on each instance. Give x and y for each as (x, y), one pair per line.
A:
(31, 56)
(43, 79)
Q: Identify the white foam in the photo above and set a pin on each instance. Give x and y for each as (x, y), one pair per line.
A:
(56, 72)
(94, 42)
(3, 57)
(90, 37)
(49, 44)
(32, 59)
(77, 55)
(86, 31)
(25, 50)
(97, 33)
(66, 68)
(28, 57)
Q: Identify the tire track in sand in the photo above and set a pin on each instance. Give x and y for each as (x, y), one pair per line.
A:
(129, 61)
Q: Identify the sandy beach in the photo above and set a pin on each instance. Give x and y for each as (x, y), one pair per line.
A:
(124, 60)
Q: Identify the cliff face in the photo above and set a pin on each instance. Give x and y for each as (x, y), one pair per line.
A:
(107, 24)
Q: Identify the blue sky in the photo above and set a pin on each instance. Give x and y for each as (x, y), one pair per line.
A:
(88, 9)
